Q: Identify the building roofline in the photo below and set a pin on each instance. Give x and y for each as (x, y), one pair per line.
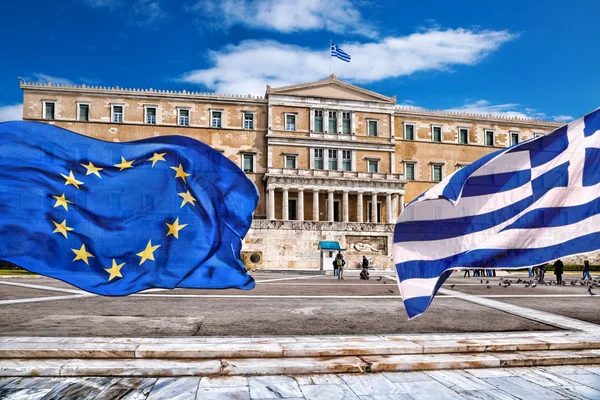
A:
(421, 112)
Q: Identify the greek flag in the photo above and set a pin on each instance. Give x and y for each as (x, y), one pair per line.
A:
(339, 53)
(522, 206)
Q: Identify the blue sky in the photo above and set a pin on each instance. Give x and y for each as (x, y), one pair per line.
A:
(524, 58)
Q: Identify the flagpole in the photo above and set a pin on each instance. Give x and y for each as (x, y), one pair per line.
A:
(329, 53)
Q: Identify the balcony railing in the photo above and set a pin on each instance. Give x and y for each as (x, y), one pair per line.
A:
(333, 174)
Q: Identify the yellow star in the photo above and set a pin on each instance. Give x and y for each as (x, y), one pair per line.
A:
(91, 169)
(115, 270)
(124, 164)
(61, 201)
(180, 173)
(157, 157)
(62, 228)
(70, 180)
(148, 253)
(174, 228)
(187, 198)
(82, 254)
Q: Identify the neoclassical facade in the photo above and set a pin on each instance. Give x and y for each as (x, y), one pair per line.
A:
(331, 161)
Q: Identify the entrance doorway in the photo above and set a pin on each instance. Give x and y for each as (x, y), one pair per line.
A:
(292, 210)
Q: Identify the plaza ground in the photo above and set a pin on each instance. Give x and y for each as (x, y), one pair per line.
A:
(287, 304)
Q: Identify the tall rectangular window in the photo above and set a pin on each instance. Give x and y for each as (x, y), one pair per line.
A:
(514, 138)
(151, 115)
(332, 122)
(117, 114)
(318, 158)
(437, 172)
(290, 161)
(409, 132)
(409, 171)
(184, 117)
(372, 128)
(248, 120)
(318, 121)
(290, 122)
(463, 136)
(333, 160)
(84, 112)
(437, 133)
(248, 162)
(489, 138)
(49, 110)
(346, 123)
(215, 118)
(347, 160)
(373, 166)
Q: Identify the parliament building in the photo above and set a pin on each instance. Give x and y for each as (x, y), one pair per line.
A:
(331, 161)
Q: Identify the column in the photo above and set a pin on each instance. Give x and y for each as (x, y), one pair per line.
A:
(315, 205)
(395, 207)
(388, 208)
(359, 207)
(300, 210)
(401, 201)
(284, 205)
(373, 208)
(271, 204)
(345, 206)
(330, 205)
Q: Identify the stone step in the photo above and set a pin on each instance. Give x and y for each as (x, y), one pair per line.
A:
(226, 348)
(291, 366)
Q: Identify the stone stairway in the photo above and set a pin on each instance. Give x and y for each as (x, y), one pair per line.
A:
(207, 356)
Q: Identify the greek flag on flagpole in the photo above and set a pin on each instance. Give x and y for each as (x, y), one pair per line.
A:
(522, 206)
(339, 53)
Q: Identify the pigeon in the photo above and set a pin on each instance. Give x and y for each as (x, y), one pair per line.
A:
(481, 281)
(487, 281)
(520, 280)
(499, 283)
(534, 284)
(572, 283)
(452, 286)
(380, 278)
(489, 287)
(390, 290)
(590, 291)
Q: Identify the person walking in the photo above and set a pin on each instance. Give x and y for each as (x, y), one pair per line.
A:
(335, 267)
(586, 270)
(340, 262)
(558, 271)
(541, 272)
(365, 262)
(467, 273)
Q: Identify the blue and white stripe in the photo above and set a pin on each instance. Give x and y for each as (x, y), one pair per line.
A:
(526, 205)
(339, 53)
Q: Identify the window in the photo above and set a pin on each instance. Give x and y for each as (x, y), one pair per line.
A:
(346, 123)
(372, 126)
(216, 117)
(117, 114)
(347, 160)
(332, 122)
(333, 160)
(248, 120)
(463, 136)
(437, 172)
(248, 162)
(489, 138)
(290, 161)
(49, 109)
(151, 115)
(318, 158)
(514, 138)
(409, 132)
(373, 166)
(290, 122)
(318, 121)
(409, 171)
(436, 133)
(83, 112)
(184, 117)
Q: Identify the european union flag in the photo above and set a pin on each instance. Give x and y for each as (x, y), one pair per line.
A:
(117, 218)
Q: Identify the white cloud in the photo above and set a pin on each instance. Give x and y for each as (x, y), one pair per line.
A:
(44, 78)
(284, 15)
(140, 12)
(511, 110)
(249, 66)
(11, 113)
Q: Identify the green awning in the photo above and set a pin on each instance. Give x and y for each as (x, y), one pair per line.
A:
(330, 246)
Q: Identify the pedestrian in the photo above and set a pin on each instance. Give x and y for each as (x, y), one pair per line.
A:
(467, 273)
(558, 271)
(530, 269)
(364, 274)
(541, 272)
(586, 270)
(365, 262)
(335, 267)
(340, 262)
